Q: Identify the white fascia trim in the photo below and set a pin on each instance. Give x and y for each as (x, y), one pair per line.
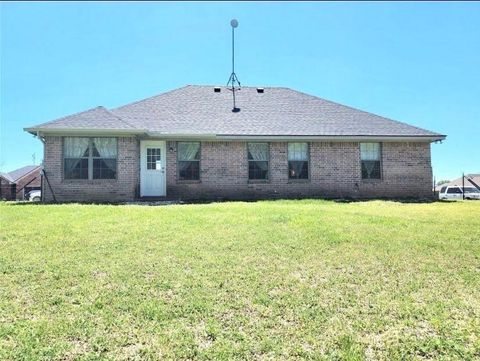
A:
(181, 136)
(79, 131)
(338, 138)
(222, 137)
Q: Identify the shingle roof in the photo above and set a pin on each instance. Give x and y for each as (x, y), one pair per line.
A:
(458, 181)
(95, 118)
(7, 177)
(15, 175)
(198, 110)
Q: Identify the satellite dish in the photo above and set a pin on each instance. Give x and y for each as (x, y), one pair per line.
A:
(234, 23)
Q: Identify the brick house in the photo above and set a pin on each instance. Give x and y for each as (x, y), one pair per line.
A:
(16, 184)
(189, 144)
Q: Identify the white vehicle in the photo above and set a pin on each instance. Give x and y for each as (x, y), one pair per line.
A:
(35, 196)
(456, 193)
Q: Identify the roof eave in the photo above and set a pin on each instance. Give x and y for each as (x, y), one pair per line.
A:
(7, 178)
(83, 131)
(341, 138)
(186, 136)
(28, 173)
(220, 137)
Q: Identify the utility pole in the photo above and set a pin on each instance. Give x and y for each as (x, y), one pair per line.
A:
(463, 186)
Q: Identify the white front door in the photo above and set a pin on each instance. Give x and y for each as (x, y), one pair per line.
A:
(152, 168)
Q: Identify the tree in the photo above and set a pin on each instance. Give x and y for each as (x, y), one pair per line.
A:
(439, 183)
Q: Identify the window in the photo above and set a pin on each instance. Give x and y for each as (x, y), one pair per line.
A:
(76, 153)
(188, 160)
(90, 158)
(257, 160)
(454, 190)
(370, 158)
(154, 157)
(104, 156)
(443, 189)
(298, 160)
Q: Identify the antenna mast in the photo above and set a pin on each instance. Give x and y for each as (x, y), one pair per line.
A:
(233, 77)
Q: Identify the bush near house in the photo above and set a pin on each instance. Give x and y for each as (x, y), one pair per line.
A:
(265, 280)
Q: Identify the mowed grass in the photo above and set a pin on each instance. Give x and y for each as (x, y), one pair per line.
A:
(307, 279)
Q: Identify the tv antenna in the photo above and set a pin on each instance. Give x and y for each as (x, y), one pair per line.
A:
(233, 80)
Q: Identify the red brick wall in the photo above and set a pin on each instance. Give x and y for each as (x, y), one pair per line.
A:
(7, 190)
(108, 190)
(31, 180)
(334, 172)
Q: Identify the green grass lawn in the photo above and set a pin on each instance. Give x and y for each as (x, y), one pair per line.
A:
(267, 280)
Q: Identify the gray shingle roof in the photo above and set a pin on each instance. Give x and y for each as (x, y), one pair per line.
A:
(95, 118)
(7, 177)
(198, 110)
(458, 181)
(16, 174)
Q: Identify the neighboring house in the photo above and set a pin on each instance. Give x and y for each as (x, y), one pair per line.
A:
(189, 144)
(15, 184)
(458, 182)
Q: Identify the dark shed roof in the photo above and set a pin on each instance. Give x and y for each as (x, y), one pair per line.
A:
(15, 175)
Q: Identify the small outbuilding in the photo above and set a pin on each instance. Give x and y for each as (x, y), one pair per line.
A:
(14, 185)
(471, 180)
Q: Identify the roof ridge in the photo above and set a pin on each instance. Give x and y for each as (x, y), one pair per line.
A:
(6, 176)
(192, 109)
(35, 167)
(67, 116)
(151, 97)
(32, 170)
(120, 118)
(364, 111)
(187, 86)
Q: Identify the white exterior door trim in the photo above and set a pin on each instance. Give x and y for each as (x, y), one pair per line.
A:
(153, 182)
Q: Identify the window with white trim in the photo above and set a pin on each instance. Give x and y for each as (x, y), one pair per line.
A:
(188, 154)
(89, 158)
(370, 155)
(258, 158)
(298, 160)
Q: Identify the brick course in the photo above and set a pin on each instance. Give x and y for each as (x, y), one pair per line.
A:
(334, 172)
(125, 187)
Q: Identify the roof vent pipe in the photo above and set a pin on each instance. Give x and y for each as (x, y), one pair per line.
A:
(217, 89)
(260, 90)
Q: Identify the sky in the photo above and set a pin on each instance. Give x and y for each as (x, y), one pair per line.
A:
(413, 62)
